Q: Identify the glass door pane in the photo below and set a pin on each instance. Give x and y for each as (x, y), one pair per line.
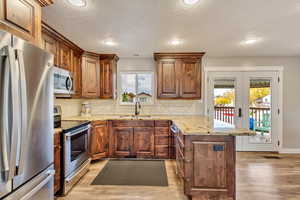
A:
(224, 103)
(260, 115)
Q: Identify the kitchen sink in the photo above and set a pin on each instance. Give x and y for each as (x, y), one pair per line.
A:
(135, 116)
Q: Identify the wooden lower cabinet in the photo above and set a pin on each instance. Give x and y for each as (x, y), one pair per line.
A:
(162, 139)
(57, 161)
(122, 142)
(99, 140)
(132, 138)
(143, 142)
(206, 165)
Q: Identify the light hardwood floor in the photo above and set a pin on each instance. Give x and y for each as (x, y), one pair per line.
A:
(258, 178)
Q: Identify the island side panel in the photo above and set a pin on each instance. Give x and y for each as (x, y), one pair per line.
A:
(210, 167)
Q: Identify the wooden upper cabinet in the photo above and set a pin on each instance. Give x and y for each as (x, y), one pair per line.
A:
(178, 75)
(76, 69)
(65, 56)
(168, 83)
(99, 140)
(108, 76)
(50, 44)
(22, 18)
(90, 76)
(190, 82)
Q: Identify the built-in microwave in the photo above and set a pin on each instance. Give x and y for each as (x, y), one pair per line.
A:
(63, 82)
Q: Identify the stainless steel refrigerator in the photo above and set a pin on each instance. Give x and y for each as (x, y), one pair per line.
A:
(26, 121)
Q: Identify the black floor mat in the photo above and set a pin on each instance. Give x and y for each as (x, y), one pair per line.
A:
(133, 172)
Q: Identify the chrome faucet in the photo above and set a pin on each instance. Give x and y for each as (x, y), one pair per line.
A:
(137, 108)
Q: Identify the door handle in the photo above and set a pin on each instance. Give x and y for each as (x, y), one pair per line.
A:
(23, 105)
(5, 124)
(12, 72)
(240, 112)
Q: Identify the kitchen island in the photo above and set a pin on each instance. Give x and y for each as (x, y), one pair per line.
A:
(205, 156)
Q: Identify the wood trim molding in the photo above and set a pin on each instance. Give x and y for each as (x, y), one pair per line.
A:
(289, 151)
(52, 32)
(44, 3)
(183, 55)
(109, 56)
(88, 53)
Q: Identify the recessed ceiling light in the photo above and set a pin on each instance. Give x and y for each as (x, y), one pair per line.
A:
(190, 2)
(250, 41)
(78, 3)
(109, 43)
(175, 42)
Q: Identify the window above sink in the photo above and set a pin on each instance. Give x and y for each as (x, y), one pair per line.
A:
(136, 86)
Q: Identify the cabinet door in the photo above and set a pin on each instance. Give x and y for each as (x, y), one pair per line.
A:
(76, 65)
(123, 141)
(190, 82)
(90, 77)
(144, 142)
(167, 81)
(57, 162)
(99, 140)
(22, 18)
(211, 167)
(64, 56)
(50, 44)
(106, 79)
(162, 142)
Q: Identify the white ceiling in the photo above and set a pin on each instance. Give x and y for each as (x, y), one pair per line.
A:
(215, 26)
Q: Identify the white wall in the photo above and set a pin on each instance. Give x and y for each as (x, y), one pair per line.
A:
(291, 93)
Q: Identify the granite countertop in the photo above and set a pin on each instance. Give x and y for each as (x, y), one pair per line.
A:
(188, 124)
(57, 130)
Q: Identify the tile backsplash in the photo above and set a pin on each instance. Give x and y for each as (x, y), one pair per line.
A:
(72, 107)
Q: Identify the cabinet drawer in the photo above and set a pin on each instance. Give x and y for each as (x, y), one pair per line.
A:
(162, 123)
(162, 151)
(162, 131)
(133, 123)
(161, 140)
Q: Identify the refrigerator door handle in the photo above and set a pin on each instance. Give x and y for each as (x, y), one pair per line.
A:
(10, 54)
(5, 124)
(23, 105)
(37, 188)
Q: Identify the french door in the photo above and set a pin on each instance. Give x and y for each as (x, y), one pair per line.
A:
(246, 100)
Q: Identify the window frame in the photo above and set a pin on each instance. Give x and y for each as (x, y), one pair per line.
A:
(151, 102)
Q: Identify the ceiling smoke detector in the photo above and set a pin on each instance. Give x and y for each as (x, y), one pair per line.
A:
(78, 3)
(190, 2)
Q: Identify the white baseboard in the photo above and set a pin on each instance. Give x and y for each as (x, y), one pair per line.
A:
(289, 151)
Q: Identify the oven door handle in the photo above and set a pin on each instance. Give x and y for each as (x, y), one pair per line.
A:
(73, 133)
